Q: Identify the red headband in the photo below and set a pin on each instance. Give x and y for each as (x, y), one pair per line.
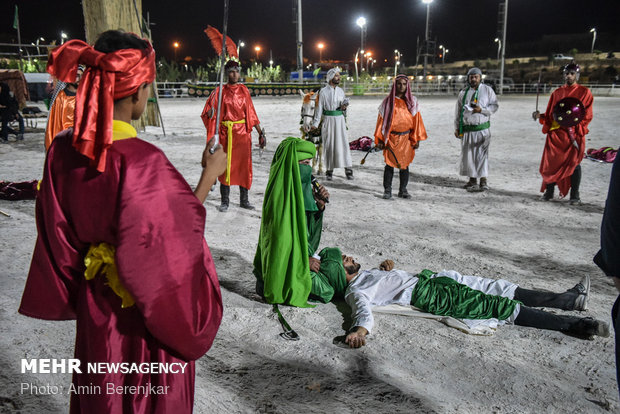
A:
(108, 77)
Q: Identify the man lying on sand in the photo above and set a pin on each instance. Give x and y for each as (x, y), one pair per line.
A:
(449, 293)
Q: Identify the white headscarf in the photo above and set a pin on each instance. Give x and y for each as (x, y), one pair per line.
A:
(331, 73)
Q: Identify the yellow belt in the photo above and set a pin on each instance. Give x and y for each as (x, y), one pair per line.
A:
(100, 259)
(554, 125)
(228, 125)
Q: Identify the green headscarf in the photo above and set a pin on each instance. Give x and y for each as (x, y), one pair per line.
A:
(281, 260)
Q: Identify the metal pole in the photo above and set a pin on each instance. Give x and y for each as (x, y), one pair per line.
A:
(357, 77)
(593, 40)
(501, 73)
(300, 45)
(218, 118)
(428, 12)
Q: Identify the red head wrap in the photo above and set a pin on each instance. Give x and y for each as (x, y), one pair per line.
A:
(108, 77)
(387, 106)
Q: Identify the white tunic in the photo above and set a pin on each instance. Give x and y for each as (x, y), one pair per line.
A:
(475, 144)
(334, 131)
(376, 287)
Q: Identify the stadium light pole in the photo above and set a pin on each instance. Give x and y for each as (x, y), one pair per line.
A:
(361, 22)
(176, 47)
(320, 46)
(257, 50)
(397, 56)
(593, 31)
(428, 14)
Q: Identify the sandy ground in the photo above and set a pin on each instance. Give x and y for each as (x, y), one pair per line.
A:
(409, 364)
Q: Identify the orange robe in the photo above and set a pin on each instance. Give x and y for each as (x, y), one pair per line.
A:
(61, 116)
(560, 156)
(401, 145)
(236, 106)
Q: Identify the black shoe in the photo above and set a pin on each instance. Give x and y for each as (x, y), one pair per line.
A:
(329, 175)
(349, 173)
(244, 201)
(387, 194)
(484, 186)
(471, 183)
(223, 207)
(548, 195)
(588, 327)
(20, 137)
(247, 206)
(583, 290)
(404, 194)
(575, 202)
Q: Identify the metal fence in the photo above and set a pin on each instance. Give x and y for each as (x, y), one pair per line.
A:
(167, 90)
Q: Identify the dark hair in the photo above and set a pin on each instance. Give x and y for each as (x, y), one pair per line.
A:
(113, 40)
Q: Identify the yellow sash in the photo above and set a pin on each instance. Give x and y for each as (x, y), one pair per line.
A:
(100, 259)
(229, 125)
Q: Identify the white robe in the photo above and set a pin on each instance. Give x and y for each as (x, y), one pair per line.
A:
(334, 131)
(475, 144)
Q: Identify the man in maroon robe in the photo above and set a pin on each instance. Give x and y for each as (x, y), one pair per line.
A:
(120, 244)
(237, 119)
(564, 147)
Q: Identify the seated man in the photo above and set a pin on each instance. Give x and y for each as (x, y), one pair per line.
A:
(448, 293)
(285, 264)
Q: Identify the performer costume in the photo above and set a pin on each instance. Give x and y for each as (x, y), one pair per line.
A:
(238, 117)
(560, 157)
(135, 229)
(447, 293)
(334, 128)
(400, 128)
(475, 128)
(291, 231)
(61, 116)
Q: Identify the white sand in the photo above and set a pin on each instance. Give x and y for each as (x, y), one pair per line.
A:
(408, 365)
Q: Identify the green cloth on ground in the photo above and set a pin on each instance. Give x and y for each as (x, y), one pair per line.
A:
(444, 296)
(281, 259)
(331, 280)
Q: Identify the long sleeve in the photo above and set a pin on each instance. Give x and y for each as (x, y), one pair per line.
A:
(608, 257)
(210, 122)
(378, 130)
(318, 109)
(491, 105)
(361, 311)
(457, 110)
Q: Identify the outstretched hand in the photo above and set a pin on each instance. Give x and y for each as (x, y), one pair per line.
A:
(357, 338)
(386, 265)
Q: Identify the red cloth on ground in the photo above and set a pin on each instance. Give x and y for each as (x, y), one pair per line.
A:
(144, 208)
(107, 78)
(560, 157)
(236, 105)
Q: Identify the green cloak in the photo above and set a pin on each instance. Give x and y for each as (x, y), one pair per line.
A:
(281, 260)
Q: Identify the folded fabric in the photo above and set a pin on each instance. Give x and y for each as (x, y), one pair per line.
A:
(604, 154)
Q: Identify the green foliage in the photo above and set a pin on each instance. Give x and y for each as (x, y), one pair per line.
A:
(168, 71)
(25, 65)
(573, 52)
(268, 74)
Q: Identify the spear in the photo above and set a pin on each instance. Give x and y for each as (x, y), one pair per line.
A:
(538, 90)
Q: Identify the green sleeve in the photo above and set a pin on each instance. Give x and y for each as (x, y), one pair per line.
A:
(314, 220)
(321, 289)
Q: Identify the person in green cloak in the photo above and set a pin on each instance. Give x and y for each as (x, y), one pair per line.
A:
(470, 298)
(286, 266)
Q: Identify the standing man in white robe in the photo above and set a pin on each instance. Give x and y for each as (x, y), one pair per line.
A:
(331, 108)
(474, 106)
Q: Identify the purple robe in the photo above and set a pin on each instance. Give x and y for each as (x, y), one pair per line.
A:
(143, 207)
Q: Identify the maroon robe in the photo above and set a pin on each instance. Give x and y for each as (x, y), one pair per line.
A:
(141, 205)
(560, 156)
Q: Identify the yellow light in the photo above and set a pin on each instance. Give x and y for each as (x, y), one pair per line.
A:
(257, 48)
(320, 45)
(176, 45)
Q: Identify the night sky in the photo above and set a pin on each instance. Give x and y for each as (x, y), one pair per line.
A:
(466, 28)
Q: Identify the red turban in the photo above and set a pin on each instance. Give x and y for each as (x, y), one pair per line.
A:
(108, 77)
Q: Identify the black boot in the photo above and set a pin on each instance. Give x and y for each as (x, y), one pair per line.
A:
(329, 175)
(225, 193)
(244, 201)
(549, 192)
(575, 180)
(403, 175)
(388, 173)
(574, 325)
(349, 173)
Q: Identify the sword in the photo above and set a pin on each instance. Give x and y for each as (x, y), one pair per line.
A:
(538, 90)
(373, 149)
(216, 142)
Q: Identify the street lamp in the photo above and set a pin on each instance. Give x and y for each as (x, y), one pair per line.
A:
(240, 45)
(42, 40)
(257, 50)
(499, 46)
(428, 14)
(63, 37)
(361, 22)
(367, 55)
(397, 57)
(593, 31)
(320, 46)
(176, 46)
(357, 77)
(443, 54)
